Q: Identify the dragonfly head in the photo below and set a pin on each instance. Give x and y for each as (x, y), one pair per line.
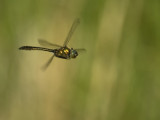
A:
(73, 53)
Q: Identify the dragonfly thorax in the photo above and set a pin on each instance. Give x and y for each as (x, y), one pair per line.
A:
(65, 53)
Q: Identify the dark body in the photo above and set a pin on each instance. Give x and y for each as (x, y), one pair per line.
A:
(63, 52)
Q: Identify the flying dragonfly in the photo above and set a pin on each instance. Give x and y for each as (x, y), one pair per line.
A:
(63, 52)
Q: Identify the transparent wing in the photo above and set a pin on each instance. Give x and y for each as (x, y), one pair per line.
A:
(74, 26)
(48, 63)
(81, 50)
(47, 44)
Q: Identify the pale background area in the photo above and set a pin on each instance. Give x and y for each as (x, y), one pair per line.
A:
(118, 78)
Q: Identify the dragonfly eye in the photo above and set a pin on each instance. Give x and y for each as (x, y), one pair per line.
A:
(73, 53)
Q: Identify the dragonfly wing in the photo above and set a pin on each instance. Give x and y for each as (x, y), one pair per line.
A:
(48, 63)
(81, 50)
(47, 44)
(74, 26)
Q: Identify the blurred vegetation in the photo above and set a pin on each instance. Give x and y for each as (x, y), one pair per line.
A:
(116, 79)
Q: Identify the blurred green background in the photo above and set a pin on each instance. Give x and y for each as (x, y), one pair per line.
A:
(118, 78)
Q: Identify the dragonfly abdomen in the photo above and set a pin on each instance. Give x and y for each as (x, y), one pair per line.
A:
(35, 48)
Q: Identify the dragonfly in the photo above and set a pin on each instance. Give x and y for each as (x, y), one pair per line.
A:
(63, 51)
